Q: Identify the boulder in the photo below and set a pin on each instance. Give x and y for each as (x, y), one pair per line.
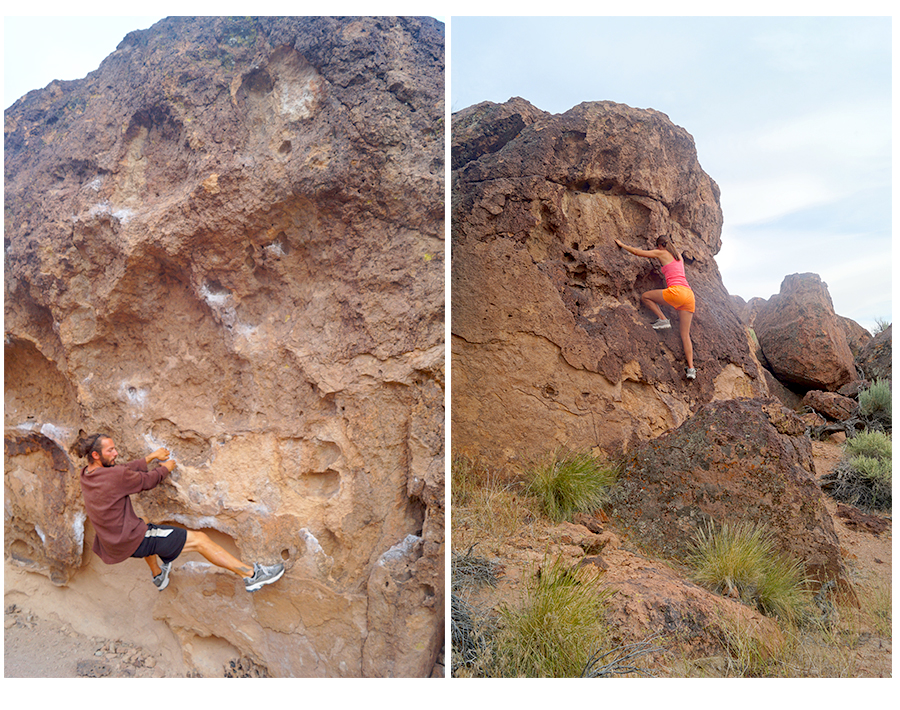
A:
(831, 404)
(857, 336)
(874, 359)
(736, 460)
(550, 342)
(228, 241)
(651, 598)
(802, 338)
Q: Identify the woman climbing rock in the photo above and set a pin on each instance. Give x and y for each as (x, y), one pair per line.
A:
(677, 294)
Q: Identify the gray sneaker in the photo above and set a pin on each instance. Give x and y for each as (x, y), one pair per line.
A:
(162, 579)
(690, 373)
(263, 575)
(662, 324)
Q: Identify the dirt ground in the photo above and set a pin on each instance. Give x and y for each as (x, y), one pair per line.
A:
(37, 647)
(868, 557)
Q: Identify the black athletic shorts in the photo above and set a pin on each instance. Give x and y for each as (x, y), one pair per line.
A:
(166, 541)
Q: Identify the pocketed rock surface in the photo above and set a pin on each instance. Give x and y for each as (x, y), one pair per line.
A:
(228, 241)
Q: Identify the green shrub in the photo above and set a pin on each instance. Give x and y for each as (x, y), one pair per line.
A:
(875, 402)
(742, 560)
(874, 444)
(559, 625)
(863, 477)
(569, 482)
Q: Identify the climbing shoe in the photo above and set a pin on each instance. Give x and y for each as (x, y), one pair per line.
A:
(662, 324)
(263, 575)
(162, 579)
(690, 373)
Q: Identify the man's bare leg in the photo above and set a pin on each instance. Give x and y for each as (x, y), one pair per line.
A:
(202, 543)
(155, 569)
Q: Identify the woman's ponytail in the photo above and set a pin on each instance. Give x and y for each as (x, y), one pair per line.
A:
(664, 241)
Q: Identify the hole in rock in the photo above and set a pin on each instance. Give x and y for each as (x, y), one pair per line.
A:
(285, 555)
(285, 147)
(322, 484)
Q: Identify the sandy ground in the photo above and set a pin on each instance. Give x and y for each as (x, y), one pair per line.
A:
(37, 647)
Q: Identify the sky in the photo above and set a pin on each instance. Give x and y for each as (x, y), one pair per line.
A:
(791, 117)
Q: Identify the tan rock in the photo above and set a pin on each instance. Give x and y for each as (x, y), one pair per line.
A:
(651, 598)
(238, 254)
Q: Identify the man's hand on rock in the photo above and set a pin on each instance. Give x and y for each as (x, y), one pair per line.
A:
(170, 465)
(161, 453)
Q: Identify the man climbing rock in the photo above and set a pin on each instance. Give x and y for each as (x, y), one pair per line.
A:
(121, 534)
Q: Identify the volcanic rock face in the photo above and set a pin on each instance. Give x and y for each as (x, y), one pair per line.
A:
(736, 460)
(550, 342)
(802, 338)
(228, 241)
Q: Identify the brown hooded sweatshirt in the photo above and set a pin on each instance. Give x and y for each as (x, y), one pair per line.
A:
(119, 531)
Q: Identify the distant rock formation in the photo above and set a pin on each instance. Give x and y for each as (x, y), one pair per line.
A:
(550, 342)
(802, 338)
(228, 240)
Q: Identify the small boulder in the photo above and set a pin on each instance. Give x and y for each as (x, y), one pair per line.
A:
(831, 404)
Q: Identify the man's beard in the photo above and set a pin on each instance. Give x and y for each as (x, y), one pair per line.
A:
(107, 461)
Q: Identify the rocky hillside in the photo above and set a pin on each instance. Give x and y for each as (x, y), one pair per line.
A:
(228, 241)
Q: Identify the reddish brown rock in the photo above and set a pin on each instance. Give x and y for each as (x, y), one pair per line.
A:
(228, 241)
(831, 404)
(855, 519)
(550, 342)
(857, 336)
(875, 357)
(803, 340)
(732, 461)
(651, 598)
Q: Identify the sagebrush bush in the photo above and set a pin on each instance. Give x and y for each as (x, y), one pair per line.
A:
(557, 628)
(875, 402)
(863, 477)
(568, 482)
(741, 560)
(874, 444)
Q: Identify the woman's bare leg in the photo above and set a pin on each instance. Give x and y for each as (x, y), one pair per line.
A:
(202, 543)
(653, 300)
(684, 324)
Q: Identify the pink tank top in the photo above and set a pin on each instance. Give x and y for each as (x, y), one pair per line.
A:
(674, 273)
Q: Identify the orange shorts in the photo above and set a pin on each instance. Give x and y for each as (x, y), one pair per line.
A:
(681, 298)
